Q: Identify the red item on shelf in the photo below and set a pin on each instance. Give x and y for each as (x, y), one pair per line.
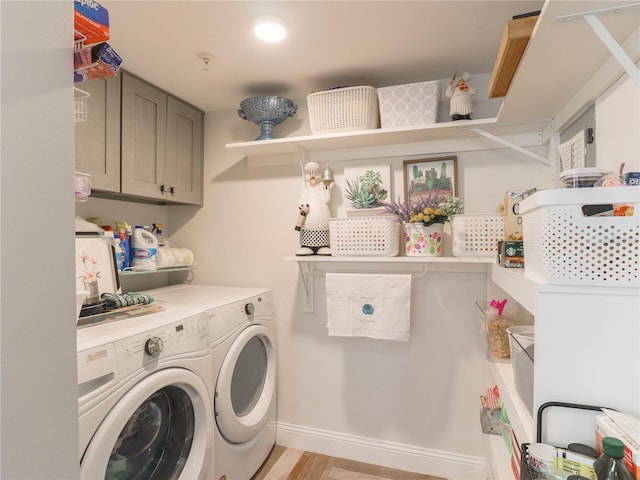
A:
(90, 22)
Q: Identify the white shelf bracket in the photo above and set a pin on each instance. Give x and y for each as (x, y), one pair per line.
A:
(603, 34)
(307, 273)
(511, 145)
(613, 46)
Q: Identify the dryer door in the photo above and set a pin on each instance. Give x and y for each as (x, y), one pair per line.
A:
(160, 429)
(246, 385)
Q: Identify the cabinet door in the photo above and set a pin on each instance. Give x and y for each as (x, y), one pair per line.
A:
(184, 152)
(144, 146)
(97, 140)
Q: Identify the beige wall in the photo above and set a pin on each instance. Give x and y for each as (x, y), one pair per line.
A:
(422, 394)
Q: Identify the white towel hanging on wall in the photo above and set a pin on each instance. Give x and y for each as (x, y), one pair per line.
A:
(368, 305)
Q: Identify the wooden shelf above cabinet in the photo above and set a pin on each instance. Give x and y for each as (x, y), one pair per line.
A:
(514, 41)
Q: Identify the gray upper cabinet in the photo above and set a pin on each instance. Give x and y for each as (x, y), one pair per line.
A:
(144, 139)
(140, 143)
(184, 152)
(97, 141)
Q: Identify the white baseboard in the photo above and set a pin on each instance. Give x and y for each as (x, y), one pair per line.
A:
(388, 454)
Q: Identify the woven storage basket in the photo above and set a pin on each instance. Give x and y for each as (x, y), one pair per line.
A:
(372, 236)
(476, 235)
(409, 105)
(563, 246)
(343, 109)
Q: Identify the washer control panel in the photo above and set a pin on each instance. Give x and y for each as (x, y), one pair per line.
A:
(189, 335)
(153, 346)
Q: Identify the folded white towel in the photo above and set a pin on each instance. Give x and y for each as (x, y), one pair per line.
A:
(362, 305)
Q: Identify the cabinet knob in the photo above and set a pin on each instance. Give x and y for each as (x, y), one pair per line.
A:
(172, 190)
(162, 189)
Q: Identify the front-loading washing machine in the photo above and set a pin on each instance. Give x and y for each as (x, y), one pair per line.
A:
(144, 397)
(242, 334)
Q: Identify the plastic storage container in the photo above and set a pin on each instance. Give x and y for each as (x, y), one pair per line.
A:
(82, 183)
(364, 236)
(565, 245)
(581, 177)
(476, 235)
(409, 105)
(493, 329)
(521, 347)
(343, 109)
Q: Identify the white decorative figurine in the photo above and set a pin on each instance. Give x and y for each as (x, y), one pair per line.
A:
(314, 214)
(460, 94)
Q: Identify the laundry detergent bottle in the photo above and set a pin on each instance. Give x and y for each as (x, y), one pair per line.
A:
(144, 248)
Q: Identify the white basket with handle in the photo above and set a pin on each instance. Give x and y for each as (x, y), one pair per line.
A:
(364, 236)
(571, 236)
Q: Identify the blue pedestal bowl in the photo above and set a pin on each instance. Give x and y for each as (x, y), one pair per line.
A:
(266, 111)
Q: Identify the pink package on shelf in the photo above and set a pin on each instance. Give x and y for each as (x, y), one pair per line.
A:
(105, 62)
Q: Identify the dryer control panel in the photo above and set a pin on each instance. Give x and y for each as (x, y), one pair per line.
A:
(186, 336)
(225, 319)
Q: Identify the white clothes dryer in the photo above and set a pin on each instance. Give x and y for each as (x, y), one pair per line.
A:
(244, 355)
(202, 297)
(242, 334)
(144, 398)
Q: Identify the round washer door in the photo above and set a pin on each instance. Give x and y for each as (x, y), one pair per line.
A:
(160, 429)
(246, 385)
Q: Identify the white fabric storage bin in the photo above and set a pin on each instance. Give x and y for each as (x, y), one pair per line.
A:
(343, 109)
(409, 105)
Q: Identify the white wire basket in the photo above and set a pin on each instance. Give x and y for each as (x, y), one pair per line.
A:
(80, 105)
(476, 235)
(343, 109)
(364, 236)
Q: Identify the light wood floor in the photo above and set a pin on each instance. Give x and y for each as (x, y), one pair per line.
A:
(289, 464)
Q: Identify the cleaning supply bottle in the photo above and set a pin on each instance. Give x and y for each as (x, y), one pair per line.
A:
(123, 232)
(144, 249)
(157, 229)
(118, 250)
(610, 465)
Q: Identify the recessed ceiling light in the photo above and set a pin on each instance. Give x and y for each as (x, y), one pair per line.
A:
(270, 29)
